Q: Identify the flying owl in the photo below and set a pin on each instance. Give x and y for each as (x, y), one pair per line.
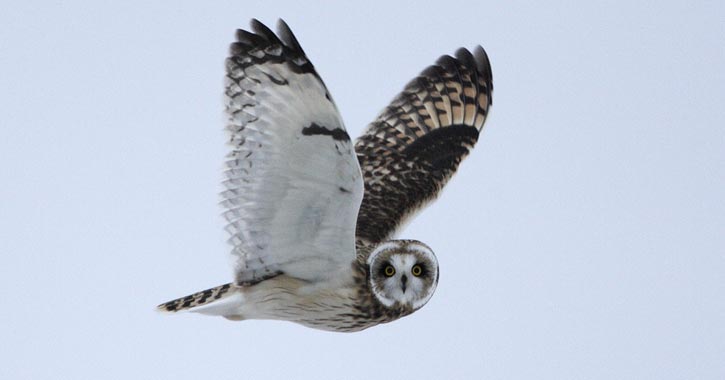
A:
(310, 213)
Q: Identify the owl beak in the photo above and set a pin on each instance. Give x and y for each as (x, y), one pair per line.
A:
(404, 280)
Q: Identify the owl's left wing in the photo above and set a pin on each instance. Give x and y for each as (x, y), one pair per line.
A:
(415, 145)
(293, 184)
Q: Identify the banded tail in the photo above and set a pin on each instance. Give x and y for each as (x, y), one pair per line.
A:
(194, 301)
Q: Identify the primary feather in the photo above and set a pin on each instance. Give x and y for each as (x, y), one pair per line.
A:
(415, 145)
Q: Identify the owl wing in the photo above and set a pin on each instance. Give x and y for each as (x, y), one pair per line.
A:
(415, 145)
(293, 183)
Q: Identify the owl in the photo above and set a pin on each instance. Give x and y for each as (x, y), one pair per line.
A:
(311, 214)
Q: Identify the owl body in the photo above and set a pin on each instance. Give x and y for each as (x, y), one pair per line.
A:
(331, 304)
(311, 213)
(338, 304)
(342, 302)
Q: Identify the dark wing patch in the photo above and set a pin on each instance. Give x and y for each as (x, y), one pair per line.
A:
(338, 134)
(264, 47)
(415, 145)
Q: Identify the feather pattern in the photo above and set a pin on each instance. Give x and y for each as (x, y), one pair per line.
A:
(294, 187)
(415, 145)
(293, 184)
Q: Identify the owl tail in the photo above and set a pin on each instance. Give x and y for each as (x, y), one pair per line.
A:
(220, 300)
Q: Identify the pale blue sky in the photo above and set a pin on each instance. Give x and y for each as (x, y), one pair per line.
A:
(584, 238)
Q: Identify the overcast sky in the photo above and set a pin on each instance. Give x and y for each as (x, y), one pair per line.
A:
(583, 238)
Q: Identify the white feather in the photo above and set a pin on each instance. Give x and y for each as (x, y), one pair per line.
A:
(292, 199)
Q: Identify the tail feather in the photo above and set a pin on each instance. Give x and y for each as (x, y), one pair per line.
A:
(197, 299)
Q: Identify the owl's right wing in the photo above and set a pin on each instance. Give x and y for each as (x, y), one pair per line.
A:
(415, 145)
(293, 184)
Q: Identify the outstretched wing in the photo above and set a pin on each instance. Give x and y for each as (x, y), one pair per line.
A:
(415, 145)
(293, 183)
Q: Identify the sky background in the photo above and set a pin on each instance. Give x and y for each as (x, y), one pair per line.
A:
(583, 238)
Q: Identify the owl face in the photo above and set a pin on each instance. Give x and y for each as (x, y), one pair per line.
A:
(403, 272)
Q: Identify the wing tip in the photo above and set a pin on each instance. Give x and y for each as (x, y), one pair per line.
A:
(261, 37)
(476, 59)
(287, 37)
(464, 56)
(479, 66)
(483, 64)
(263, 31)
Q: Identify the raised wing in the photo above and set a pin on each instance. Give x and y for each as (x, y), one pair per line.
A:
(293, 184)
(415, 145)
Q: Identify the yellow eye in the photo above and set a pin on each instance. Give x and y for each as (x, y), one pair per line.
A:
(417, 270)
(389, 271)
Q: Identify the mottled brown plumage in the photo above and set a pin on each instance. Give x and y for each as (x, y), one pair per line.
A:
(413, 148)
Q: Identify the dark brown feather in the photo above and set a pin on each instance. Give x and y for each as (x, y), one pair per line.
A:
(415, 145)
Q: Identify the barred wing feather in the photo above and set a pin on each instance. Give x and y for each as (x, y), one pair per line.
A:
(415, 145)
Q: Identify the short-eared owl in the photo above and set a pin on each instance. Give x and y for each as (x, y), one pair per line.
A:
(310, 214)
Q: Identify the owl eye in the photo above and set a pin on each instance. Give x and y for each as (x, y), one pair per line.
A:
(389, 271)
(417, 270)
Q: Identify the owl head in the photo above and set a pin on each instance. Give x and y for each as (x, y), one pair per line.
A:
(403, 272)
